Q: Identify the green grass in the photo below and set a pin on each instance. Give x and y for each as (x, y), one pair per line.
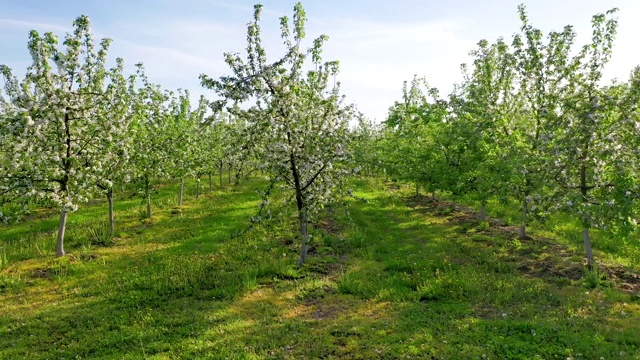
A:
(608, 248)
(389, 276)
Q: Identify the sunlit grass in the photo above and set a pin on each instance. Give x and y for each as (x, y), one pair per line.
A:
(608, 247)
(383, 280)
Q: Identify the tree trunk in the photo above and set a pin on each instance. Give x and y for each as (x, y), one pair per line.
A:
(230, 175)
(483, 210)
(198, 188)
(417, 189)
(220, 175)
(64, 184)
(210, 182)
(302, 215)
(148, 191)
(112, 220)
(61, 228)
(587, 246)
(181, 191)
(522, 234)
(585, 221)
(433, 195)
(302, 208)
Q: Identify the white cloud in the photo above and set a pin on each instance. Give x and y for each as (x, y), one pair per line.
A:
(29, 25)
(376, 57)
(167, 60)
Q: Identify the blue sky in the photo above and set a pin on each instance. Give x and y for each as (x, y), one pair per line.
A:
(379, 43)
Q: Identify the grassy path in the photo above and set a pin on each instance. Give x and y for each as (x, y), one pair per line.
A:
(390, 277)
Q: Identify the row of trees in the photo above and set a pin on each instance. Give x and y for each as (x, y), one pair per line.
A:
(531, 121)
(74, 128)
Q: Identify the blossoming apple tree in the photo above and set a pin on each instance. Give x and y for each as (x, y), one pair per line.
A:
(61, 113)
(298, 116)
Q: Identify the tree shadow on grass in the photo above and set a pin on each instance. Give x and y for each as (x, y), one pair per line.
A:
(409, 284)
(534, 256)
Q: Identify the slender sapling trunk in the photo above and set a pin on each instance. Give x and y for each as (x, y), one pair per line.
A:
(585, 227)
(181, 191)
(111, 213)
(302, 210)
(302, 215)
(587, 246)
(148, 195)
(522, 233)
(61, 228)
(483, 210)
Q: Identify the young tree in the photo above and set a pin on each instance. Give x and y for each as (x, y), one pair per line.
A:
(201, 152)
(209, 148)
(182, 126)
(298, 119)
(221, 152)
(117, 146)
(543, 71)
(151, 141)
(12, 184)
(481, 110)
(240, 144)
(592, 163)
(60, 109)
(412, 123)
(366, 150)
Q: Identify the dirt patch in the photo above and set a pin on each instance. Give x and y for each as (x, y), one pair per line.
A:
(393, 186)
(322, 310)
(537, 257)
(462, 216)
(88, 257)
(43, 273)
(286, 241)
(626, 280)
(552, 268)
(329, 226)
(428, 204)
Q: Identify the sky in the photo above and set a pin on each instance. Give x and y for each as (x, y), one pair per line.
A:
(379, 43)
